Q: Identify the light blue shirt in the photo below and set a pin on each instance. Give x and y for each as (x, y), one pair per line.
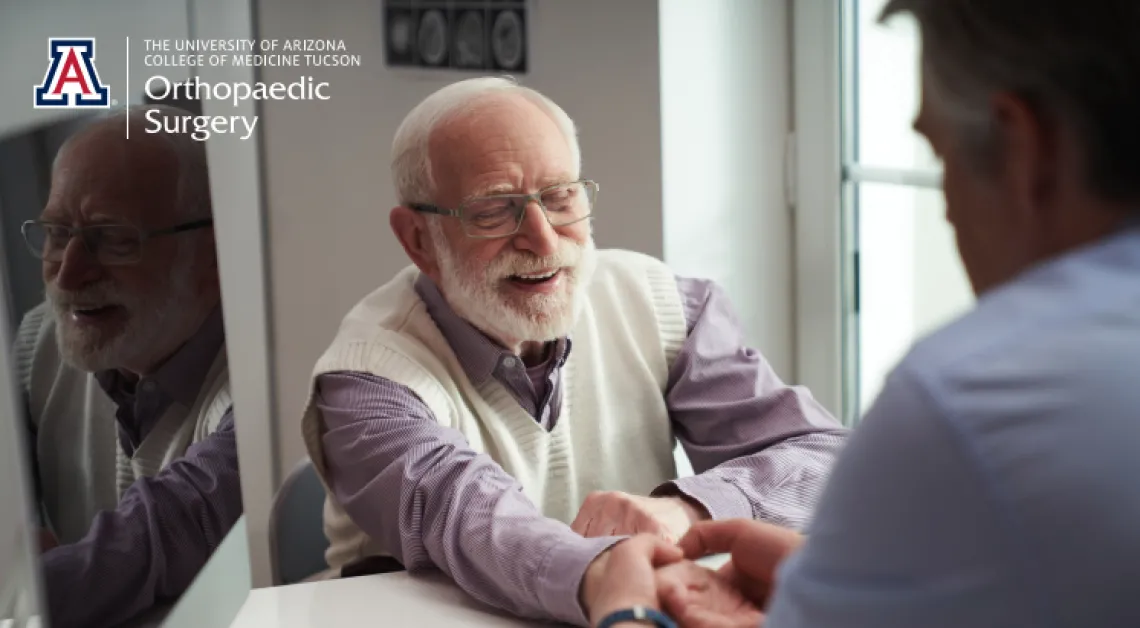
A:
(996, 480)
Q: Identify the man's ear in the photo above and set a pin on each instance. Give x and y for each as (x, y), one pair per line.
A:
(1029, 152)
(411, 230)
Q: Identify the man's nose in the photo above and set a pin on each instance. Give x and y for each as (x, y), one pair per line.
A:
(77, 266)
(535, 233)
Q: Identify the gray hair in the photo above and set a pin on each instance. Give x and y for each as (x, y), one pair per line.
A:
(411, 161)
(193, 192)
(1077, 64)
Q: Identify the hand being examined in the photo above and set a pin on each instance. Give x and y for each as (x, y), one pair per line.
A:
(649, 572)
(623, 576)
(757, 549)
(697, 597)
(613, 513)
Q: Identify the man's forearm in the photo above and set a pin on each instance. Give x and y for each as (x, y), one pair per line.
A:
(780, 484)
(427, 497)
(763, 448)
(153, 544)
(461, 513)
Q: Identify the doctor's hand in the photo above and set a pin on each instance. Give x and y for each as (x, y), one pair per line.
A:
(613, 513)
(757, 549)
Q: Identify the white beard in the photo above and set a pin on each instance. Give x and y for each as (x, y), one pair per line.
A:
(153, 322)
(477, 294)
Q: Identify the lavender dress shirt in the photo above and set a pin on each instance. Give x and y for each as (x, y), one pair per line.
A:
(149, 549)
(761, 450)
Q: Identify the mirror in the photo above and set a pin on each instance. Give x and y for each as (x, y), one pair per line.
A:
(20, 603)
(118, 449)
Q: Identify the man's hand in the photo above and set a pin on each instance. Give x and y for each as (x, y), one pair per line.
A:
(697, 597)
(623, 576)
(757, 549)
(610, 513)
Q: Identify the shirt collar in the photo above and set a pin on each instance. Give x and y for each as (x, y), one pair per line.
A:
(182, 375)
(478, 354)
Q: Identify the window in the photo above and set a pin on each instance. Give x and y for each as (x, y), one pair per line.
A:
(876, 263)
(907, 277)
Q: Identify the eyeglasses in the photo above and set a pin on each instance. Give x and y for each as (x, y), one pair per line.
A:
(501, 215)
(110, 244)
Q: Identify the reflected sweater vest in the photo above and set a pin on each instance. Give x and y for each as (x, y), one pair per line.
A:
(81, 465)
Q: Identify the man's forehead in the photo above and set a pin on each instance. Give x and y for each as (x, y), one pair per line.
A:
(501, 145)
(503, 124)
(108, 178)
(558, 177)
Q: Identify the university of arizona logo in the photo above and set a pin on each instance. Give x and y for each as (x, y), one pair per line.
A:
(71, 81)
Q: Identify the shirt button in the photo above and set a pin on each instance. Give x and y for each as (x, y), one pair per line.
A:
(509, 362)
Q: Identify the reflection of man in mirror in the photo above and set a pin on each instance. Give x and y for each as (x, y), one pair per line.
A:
(124, 371)
(506, 409)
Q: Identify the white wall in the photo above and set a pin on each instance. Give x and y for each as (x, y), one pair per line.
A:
(821, 328)
(725, 106)
(328, 189)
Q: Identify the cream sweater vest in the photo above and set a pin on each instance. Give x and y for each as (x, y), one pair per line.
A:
(613, 432)
(81, 466)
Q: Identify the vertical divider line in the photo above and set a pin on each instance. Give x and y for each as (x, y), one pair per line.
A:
(127, 88)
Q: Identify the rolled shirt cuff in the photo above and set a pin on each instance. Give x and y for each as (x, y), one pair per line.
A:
(561, 576)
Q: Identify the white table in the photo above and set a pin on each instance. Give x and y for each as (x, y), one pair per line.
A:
(221, 596)
(396, 599)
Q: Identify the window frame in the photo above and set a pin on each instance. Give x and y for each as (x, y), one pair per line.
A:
(826, 178)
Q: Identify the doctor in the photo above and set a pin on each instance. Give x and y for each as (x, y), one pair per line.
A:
(994, 482)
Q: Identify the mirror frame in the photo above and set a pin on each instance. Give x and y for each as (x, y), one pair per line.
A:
(237, 187)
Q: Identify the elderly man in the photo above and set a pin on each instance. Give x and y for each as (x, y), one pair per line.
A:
(505, 409)
(124, 371)
(995, 481)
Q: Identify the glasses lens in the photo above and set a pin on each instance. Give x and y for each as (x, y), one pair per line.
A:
(569, 203)
(491, 216)
(46, 242)
(114, 244)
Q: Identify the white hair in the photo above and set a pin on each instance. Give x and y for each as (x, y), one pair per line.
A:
(411, 160)
(193, 192)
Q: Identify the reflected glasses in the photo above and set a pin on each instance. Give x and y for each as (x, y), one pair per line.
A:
(501, 215)
(110, 244)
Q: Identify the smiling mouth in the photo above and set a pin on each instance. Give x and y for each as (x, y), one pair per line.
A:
(91, 314)
(536, 279)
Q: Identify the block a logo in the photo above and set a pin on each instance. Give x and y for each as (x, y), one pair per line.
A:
(71, 81)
